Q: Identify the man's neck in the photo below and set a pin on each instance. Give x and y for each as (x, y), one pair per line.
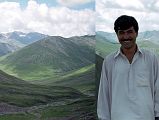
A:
(129, 53)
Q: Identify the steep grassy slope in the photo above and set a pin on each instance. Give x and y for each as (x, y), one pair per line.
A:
(49, 57)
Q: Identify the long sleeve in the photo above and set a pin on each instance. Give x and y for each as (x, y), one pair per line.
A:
(156, 118)
(103, 104)
(156, 94)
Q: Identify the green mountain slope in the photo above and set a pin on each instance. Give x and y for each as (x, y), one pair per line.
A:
(81, 79)
(21, 93)
(149, 46)
(22, 100)
(104, 47)
(50, 57)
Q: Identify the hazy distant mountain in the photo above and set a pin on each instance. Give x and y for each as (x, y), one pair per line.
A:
(7, 48)
(50, 56)
(25, 38)
(9, 42)
(20, 38)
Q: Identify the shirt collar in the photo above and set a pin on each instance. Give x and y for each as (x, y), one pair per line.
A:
(119, 52)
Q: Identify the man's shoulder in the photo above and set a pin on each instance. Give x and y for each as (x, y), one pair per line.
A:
(149, 53)
(110, 57)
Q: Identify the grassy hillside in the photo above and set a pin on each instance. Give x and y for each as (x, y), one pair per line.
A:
(83, 109)
(149, 45)
(81, 79)
(49, 57)
(22, 100)
(18, 92)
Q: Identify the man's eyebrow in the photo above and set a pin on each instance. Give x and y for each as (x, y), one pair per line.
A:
(125, 30)
(130, 30)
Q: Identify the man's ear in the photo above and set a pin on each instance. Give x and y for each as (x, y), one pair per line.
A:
(116, 33)
(136, 34)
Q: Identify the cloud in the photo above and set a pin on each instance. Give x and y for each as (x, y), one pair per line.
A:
(70, 3)
(144, 11)
(59, 21)
(136, 4)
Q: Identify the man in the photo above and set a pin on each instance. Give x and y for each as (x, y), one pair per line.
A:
(129, 84)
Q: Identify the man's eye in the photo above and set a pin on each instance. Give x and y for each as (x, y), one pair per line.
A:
(130, 31)
(121, 32)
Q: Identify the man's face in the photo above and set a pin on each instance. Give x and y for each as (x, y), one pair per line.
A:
(127, 38)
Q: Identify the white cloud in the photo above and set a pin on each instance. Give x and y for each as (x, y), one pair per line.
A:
(157, 5)
(40, 18)
(144, 11)
(130, 3)
(73, 2)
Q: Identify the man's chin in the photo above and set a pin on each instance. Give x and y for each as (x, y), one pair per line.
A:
(127, 47)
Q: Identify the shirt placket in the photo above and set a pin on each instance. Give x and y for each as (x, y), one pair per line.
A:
(131, 88)
(130, 82)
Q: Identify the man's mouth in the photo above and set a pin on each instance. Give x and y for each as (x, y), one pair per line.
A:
(127, 41)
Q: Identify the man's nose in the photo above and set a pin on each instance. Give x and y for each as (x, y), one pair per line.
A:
(126, 35)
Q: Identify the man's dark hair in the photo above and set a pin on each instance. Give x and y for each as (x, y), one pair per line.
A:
(124, 22)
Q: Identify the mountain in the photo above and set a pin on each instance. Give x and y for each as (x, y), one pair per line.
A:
(20, 39)
(104, 46)
(50, 57)
(111, 37)
(10, 42)
(70, 60)
(25, 38)
(149, 36)
(6, 48)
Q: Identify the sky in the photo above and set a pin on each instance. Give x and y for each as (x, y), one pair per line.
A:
(64, 18)
(146, 13)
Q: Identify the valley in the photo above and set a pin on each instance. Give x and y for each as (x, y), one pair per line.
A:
(51, 78)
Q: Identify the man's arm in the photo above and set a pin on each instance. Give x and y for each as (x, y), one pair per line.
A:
(103, 104)
(156, 118)
(156, 94)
